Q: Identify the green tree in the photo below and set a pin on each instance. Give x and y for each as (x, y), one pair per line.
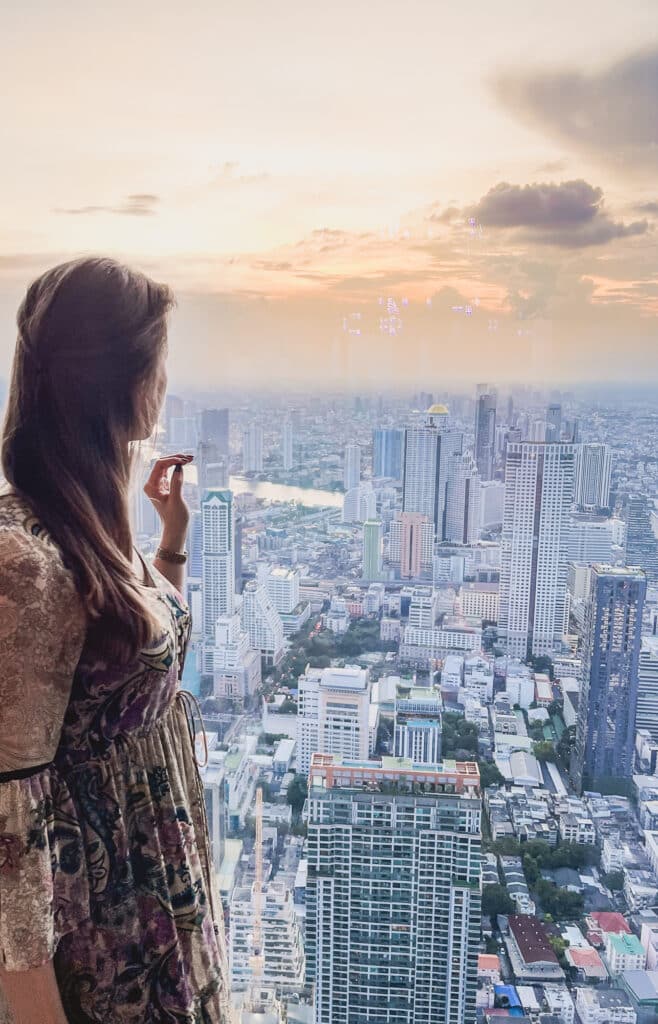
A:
(544, 751)
(489, 775)
(496, 900)
(296, 794)
(542, 664)
(614, 880)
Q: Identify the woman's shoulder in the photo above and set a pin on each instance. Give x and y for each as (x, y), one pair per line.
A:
(25, 543)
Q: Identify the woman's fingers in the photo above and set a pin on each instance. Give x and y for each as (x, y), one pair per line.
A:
(157, 484)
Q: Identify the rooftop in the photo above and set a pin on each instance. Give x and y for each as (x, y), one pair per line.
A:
(628, 945)
(610, 922)
(531, 939)
(331, 771)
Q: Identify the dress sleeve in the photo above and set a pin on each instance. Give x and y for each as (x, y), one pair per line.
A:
(44, 892)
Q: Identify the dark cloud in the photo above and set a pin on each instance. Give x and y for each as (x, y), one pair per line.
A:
(139, 204)
(650, 208)
(611, 114)
(445, 216)
(570, 214)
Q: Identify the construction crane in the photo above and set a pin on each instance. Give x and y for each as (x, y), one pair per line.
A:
(257, 961)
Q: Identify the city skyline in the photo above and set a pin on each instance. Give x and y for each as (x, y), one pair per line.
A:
(287, 170)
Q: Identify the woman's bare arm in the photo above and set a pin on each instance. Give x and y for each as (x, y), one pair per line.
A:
(33, 996)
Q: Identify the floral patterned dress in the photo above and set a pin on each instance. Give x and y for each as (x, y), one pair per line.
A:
(104, 850)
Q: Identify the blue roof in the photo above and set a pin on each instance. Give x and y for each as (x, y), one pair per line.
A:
(512, 995)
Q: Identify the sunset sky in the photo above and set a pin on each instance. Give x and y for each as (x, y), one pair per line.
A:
(286, 166)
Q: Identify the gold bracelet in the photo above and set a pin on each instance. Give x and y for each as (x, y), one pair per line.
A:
(176, 557)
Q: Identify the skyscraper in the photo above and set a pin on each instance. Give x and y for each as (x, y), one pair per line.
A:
(387, 448)
(411, 544)
(334, 707)
(352, 469)
(593, 475)
(215, 429)
(539, 487)
(393, 891)
(417, 727)
(372, 549)
(252, 449)
(462, 516)
(428, 453)
(218, 558)
(262, 624)
(553, 423)
(641, 543)
(287, 445)
(607, 705)
(485, 431)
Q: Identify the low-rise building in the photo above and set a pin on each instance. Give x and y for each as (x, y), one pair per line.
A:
(531, 954)
(624, 953)
(575, 828)
(604, 1006)
(517, 887)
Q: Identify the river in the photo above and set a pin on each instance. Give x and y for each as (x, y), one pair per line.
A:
(283, 492)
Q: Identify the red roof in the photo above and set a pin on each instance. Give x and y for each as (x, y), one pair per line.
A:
(488, 962)
(611, 922)
(584, 957)
(531, 939)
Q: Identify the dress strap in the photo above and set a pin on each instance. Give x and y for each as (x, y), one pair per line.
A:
(191, 705)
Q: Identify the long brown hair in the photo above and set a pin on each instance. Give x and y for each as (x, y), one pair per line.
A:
(91, 334)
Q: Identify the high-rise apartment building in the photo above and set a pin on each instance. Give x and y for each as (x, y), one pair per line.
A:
(235, 665)
(647, 687)
(214, 429)
(429, 450)
(539, 487)
(417, 730)
(554, 423)
(411, 544)
(262, 624)
(593, 475)
(373, 538)
(359, 503)
(252, 449)
(218, 558)
(287, 445)
(485, 431)
(463, 494)
(352, 467)
(590, 538)
(333, 716)
(283, 948)
(393, 892)
(641, 542)
(607, 705)
(387, 448)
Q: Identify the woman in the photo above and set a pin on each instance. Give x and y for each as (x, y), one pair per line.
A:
(107, 912)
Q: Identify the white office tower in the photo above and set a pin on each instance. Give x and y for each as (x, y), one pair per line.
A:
(236, 666)
(492, 501)
(359, 504)
(352, 468)
(333, 715)
(423, 608)
(429, 450)
(417, 733)
(283, 950)
(539, 486)
(462, 516)
(287, 445)
(282, 586)
(218, 558)
(647, 687)
(393, 897)
(593, 475)
(252, 449)
(262, 624)
(590, 539)
(373, 539)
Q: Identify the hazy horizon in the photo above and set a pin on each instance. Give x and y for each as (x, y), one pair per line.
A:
(290, 170)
